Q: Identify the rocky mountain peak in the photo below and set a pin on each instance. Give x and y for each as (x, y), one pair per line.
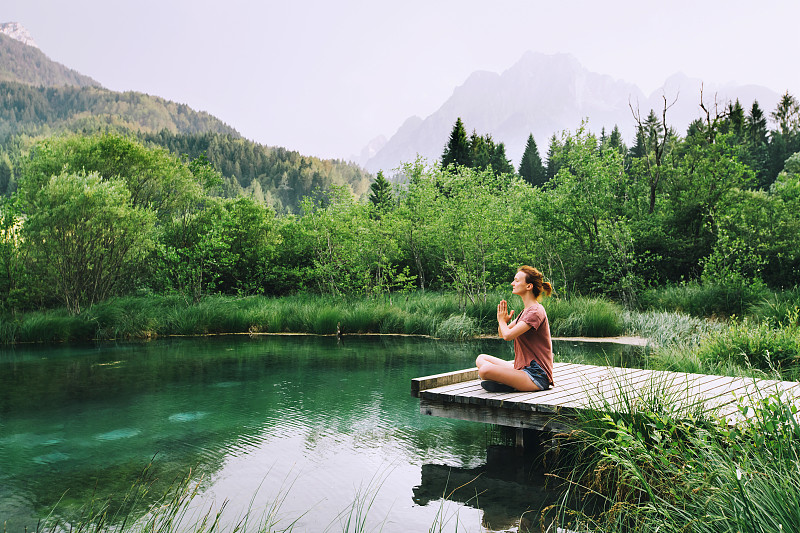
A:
(17, 31)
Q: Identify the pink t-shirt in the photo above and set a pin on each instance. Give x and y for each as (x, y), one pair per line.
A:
(535, 344)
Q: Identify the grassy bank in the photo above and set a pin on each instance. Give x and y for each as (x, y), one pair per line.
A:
(764, 340)
(437, 315)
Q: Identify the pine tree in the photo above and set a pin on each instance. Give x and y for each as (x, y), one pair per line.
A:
(554, 151)
(381, 193)
(530, 167)
(457, 150)
(481, 148)
(615, 140)
(756, 125)
(500, 163)
(736, 120)
(787, 114)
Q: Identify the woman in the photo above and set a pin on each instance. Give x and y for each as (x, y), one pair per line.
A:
(532, 368)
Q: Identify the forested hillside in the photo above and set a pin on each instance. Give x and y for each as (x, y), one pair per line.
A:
(104, 214)
(278, 177)
(40, 98)
(45, 110)
(27, 64)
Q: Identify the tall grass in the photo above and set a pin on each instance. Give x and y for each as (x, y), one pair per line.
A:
(654, 467)
(438, 315)
(746, 343)
(665, 329)
(779, 308)
(582, 316)
(178, 510)
(703, 300)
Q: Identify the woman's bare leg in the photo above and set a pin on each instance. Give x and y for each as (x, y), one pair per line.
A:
(502, 371)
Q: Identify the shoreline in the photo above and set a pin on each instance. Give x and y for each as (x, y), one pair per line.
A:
(622, 339)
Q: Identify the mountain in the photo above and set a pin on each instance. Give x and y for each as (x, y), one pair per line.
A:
(17, 31)
(545, 95)
(21, 61)
(39, 97)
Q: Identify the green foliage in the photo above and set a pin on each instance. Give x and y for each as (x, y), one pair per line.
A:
(747, 343)
(457, 151)
(84, 237)
(479, 152)
(36, 109)
(381, 193)
(608, 222)
(276, 177)
(12, 270)
(155, 179)
(703, 300)
(655, 466)
(226, 246)
(778, 308)
(580, 316)
(531, 168)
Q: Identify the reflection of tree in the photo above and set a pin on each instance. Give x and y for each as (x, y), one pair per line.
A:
(507, 487)
(87, 420)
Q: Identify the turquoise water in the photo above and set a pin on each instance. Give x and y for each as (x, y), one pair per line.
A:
(251, 420)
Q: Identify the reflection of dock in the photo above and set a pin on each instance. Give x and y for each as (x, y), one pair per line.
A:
(507, 487)
(582, 387)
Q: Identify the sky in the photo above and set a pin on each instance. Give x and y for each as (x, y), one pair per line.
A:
(326, 77)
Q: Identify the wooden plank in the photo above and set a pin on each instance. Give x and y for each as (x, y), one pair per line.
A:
(785, 392)
(437, 380)
(578, 387)
(492, 415)
(578, 391)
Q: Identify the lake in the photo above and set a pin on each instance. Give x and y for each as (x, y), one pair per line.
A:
(312, 422)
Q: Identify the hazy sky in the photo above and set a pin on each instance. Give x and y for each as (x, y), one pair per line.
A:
(325, 77)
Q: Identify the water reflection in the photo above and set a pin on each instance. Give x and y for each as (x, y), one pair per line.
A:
(509, 487)
(244, 415)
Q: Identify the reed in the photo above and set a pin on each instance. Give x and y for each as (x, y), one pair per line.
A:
(746, 343)
(703, 300)
(457, 328)
(665, 329)
(654, 465)
(583, 316)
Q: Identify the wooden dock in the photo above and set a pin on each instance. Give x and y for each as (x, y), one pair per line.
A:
(580, 387)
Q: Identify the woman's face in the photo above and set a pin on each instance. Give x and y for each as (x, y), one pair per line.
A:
(519, 286)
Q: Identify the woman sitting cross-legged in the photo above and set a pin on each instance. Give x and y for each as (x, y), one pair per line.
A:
(532, 368)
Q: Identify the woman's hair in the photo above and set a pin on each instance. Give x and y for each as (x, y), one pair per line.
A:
(535, 278)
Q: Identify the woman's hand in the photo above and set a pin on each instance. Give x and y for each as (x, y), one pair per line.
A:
(503, 329)
(503, 314)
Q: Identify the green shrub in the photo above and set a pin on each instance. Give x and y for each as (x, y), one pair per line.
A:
(580, 316)
(780, 308)
(748, 343)
(457, 327)
(706, 300)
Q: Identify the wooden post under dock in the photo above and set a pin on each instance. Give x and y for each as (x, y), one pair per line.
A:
(579, 387)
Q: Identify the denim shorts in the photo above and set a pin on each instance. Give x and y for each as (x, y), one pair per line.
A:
(537, 375)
